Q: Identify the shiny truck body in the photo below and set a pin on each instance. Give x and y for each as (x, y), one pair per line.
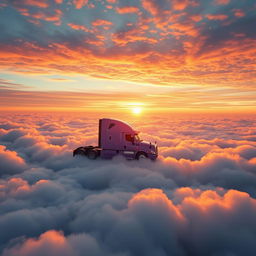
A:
(118, 138)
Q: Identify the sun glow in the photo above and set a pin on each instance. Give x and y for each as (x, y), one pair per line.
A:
(136, 110)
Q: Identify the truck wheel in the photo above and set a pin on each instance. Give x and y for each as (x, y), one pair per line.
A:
(92, 154)
(141, 155)
(79, 152)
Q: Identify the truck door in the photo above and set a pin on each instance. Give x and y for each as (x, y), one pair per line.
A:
(130, 145)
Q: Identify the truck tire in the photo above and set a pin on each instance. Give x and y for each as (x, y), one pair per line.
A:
(141, 155)
(79, 151)
(92, 154)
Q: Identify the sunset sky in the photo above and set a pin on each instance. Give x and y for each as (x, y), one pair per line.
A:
(182, 73)
(120, 54)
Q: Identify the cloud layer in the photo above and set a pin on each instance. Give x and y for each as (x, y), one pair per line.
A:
(198, 198)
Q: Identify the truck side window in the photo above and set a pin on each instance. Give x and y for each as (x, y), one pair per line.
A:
(129, 137)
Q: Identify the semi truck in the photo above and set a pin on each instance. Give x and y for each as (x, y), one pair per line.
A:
(116, 137)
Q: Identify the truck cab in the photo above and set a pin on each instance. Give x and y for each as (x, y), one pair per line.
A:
(119, 138)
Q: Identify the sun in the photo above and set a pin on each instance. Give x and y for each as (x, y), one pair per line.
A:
(136, 110)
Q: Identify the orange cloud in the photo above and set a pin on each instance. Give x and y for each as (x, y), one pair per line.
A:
(11, 156)
(151, 7)
(208, 203)
(183, 4)
(196, 18)
(40, 4)
(221, 2)
(80, 3)
(155, 198)
(54, 241)
(127, 9)
(132, 35)
(101, 22)
(181, 29)
(239, 13)
(216, 16)
(78, 27)
(54, 16)
(11, 162)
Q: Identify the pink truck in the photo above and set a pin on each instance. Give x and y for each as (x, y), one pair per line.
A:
(118, 138)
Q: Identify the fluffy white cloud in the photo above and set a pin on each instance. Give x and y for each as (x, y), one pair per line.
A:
(196, 199)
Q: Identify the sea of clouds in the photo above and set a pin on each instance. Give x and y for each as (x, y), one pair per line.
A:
(198, 198)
